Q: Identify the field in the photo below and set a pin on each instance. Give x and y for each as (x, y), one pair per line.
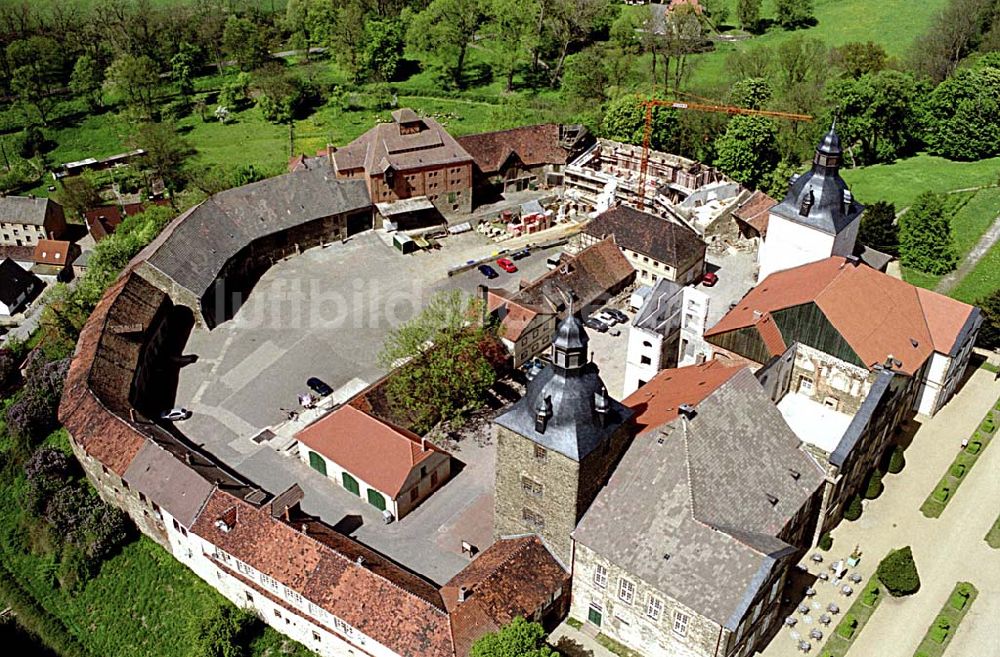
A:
(902, 181)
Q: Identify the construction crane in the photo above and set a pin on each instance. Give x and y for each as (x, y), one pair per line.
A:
(700, 107)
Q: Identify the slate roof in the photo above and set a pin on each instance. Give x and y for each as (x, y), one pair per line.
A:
(172, 484)
(18, 253)
(196, 245)
(589, 276)
(384, 146)
(534, 145)
(704, 484)
(377, 452)
(660, 239)
(24, 209)
(83, 259)
(755, 211)
(573, 428)
(15, 281)
(513, 577)
(817, 198)
(657, 402)
(876, 314)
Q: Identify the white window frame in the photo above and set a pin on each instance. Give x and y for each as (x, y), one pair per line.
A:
(626, 590)
(600, 576)
(654, 607)
(681, 621)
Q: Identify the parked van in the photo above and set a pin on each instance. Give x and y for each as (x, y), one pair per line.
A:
(553, 261)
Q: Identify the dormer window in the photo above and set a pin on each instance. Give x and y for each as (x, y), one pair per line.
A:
(807, 203)
(543, 411)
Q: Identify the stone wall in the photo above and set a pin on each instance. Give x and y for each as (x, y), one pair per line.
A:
(833, 380)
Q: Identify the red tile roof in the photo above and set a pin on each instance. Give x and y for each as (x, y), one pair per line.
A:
(514, 577)
(52, 252)
(656, 402)
(380, 454)
(102, 221)
(876, 314)
(402, 612)
(589, 275)
(770, 334)
(388, 144)
(515, 319)
(755, 211)
(534, 145)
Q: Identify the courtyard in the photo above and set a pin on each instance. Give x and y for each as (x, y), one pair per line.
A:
(326, 313)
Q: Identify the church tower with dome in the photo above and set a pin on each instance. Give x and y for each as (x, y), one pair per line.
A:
(818, 218)
(557, 446)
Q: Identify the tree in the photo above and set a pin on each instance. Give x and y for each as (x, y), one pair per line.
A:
(953, 34)
(36, 67)
(625, 120)
(79, 194)
(776, 183)
(224, 632)
(519, 638)
(567, 23)
(897, 460)
(244, 41)
(854, 508)
(874, 485)
(32, 415)
(165, 152)
(450, 361)
(235, 92)
(280, 93)
(791, 14)
(856, 59)
(311, 22)
(925, 236)
(960, 115)
(585, 78)
(383, 49)
(348, 40)
(182, 70)
(878, 228)
(898, 573)
(748, 14)
(135, 79)
(443, 31)
(86, 81)
(989, 333)
(510, 23)
(875, 115)
(754, 93)
(747, 151)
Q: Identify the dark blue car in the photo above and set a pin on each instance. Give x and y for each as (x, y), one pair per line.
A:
(488, 271)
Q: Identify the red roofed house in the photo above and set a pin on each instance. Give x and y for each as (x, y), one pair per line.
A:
(54, 259)
(390, 467)
(752, 214)
(514, 160)
(848, 353)
(524, 329)
(102, 221)
(411, 157)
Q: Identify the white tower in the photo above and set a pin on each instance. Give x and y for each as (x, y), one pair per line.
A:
(818, 217)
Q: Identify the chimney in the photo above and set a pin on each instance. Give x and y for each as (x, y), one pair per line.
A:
(687, 410)
(423, 443)
(757, 314)
(463, 594)
(484, 297)
(772, 499)
(360, 560)
(602, 406)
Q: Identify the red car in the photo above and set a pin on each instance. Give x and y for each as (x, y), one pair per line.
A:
(709, 279)
(506, 265)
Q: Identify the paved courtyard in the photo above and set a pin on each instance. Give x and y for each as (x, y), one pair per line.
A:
(325, 313)
(947, 550)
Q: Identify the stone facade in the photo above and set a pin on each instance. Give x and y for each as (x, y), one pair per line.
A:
(542, 491)
(829, 380)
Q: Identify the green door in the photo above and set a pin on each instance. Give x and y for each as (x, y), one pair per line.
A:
(317, 463)
(351, 484)
(594, 616)
(376, 500)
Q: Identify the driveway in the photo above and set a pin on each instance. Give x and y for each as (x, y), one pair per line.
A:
(946, 550)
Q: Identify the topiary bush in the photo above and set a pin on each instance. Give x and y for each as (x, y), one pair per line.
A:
(853, 509)
(941, 630)
(847, 627)
(988, 425)
(942, 493)
(825, 541)
(959, 599)
(897, 461)
(898, 573)
(871, 596)
(958, 470)
(874, 487)
(974, 447)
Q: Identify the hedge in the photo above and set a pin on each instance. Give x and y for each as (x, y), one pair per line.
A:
(897, 461)
(898, 572)
(854, 508)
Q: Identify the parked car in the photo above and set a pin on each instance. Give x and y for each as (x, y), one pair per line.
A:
(506, 265)
(175, 414)
(617, 314)
(709, 279)
(319, 386)
(488, 271)
(520, 255)
(596, 324)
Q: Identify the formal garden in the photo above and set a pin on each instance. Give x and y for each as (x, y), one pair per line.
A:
(946, 623)
(968, 454)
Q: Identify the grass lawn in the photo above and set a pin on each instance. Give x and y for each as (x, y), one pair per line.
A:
(841, 636)
(993, 536)
(902, 181)
(946, 487)
(939, 634)
(982, 280)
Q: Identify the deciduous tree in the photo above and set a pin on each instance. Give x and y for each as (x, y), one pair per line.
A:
(443, 31)
(856, 58)
(36, 65)
(519, 638)
(748, 14)
(244, 41)
(875, 116)
(510, 24)
(135, 80)
(383, 48)
(625, 120)
(585, 78)
(165, 153)
(79, 194)
(925, 236)
(747, 151)
(86, 81)
(960, 116)
(989, 333)
(791, 14)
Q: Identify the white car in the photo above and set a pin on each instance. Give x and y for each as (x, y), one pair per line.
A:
(607, 318)
(175, 414)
